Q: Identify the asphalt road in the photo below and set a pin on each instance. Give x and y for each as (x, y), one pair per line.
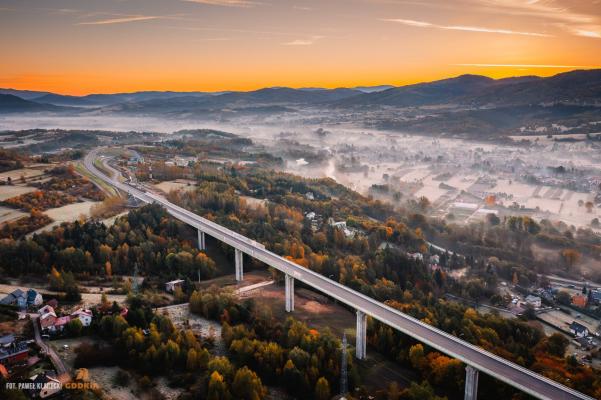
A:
(506, 371)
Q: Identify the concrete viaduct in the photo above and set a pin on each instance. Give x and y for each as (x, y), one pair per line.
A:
(476, 359)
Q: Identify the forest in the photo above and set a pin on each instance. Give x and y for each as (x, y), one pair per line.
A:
(374, 259)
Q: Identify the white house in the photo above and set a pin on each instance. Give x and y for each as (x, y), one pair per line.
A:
(170, 286)
(534, 301)
(84, 316)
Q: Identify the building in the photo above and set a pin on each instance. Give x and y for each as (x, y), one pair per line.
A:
(595, 296)
(310, 215)
(534, 301)
(60, 323)
(7, 340)
(85, 316)
(171, 286)
(578, 330)
(34, 298)
(16, 298)
(22, 299)
(47, 319)
(14, 353)
(46, 309)
(579, 300)
(43, 386)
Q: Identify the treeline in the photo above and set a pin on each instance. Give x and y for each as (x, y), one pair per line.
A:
(10, 159)
(146, 239)
(14, 230)
(515, 238)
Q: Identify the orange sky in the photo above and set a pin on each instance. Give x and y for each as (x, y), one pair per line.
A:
(105, 46)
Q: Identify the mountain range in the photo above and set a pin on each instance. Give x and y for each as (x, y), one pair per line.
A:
(464, 104)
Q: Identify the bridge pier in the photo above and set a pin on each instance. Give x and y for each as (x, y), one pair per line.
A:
(471, 383)
(239, 265)
(361, 336)
(289, 280)
(201, 240)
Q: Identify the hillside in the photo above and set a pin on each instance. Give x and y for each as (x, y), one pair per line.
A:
(12, 104)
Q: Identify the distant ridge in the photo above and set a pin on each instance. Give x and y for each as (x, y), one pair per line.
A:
(13, 104)
(575, 87)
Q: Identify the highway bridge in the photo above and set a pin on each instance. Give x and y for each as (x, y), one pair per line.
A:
(476, 359)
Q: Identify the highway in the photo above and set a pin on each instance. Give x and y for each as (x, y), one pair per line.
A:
(486, 362)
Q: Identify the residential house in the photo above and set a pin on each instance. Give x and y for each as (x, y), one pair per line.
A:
(16, 298)
(46, 309)
(34, 298)
(578, 330)
(579, 300)
(14, 353)
(534, 301)
(44, 386)
(85, 316)
(47, 320)
(60, 323)
(171, 286)
(7, 340)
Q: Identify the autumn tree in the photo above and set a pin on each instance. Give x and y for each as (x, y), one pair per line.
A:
(322, 389)
(217, 389)
(570, 257)
(247, 385)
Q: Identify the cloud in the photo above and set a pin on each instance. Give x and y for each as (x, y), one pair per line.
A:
(226, 3)
(299, 42)
(424, 24)
(410, 22)
(121, 20)
(576, 23)
(525, 66)
(595, 34)
(302, 8)
(303, 42)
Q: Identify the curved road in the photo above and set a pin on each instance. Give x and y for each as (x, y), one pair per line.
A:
(484, 361)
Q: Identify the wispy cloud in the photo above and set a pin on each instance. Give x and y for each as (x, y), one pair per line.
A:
(425, 24)
(576, 23)
(214, 39)
(595, 34)
(303, 42)
(525, 66)
(226, 3)
(121, 20)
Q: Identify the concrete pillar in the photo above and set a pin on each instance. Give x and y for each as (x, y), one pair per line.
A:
(239, 265)
(471, 383)
(361, 336)
(201, 240)
(289, 280)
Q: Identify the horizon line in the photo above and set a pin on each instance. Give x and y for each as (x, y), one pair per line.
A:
(571, 68)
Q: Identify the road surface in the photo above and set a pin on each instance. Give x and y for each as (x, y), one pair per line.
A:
(484, 361)
(59, 366)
